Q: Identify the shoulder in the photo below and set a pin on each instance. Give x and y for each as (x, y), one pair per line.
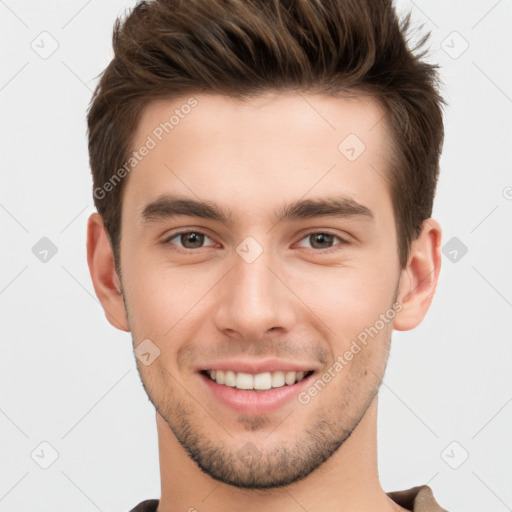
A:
(417, 499)
(146, 506)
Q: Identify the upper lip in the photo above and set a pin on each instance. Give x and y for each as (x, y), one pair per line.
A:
(257, 366)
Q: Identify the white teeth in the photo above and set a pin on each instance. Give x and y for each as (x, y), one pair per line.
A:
(277, 379)
(229, 379)
(290, 378)
(260, 381)
(244, 381)
(263, 381)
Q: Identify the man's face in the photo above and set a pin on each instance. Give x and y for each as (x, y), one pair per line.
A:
(210, 294)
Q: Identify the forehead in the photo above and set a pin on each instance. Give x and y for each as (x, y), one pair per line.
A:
(252, 152)
(264, 115)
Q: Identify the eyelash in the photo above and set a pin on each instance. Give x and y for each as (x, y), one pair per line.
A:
(167, 241)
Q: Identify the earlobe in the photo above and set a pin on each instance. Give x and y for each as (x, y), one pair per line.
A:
(419, 278)
(103, 273)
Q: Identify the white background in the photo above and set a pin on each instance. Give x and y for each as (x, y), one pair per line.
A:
(69, 379)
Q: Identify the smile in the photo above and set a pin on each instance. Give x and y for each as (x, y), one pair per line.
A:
(260, 393)
(256, 382)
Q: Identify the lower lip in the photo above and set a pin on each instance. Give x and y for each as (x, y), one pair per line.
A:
(255, 402)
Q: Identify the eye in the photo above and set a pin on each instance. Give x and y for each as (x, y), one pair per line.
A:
(191, 240)
(188, 239)
(321, 238)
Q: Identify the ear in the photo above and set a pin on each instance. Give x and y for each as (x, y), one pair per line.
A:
(418, 280)
(103, 273)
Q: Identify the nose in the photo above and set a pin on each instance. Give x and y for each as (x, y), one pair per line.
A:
(254, 298)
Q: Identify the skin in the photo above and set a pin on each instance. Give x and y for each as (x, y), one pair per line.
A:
(294, 302)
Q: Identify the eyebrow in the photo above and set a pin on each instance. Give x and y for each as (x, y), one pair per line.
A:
(170, 206)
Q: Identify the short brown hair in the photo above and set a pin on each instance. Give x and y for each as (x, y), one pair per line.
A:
(241, 48)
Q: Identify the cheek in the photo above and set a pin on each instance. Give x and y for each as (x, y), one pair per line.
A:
(162, 298)
(347, 299)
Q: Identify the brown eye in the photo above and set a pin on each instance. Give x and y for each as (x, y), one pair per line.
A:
(188, 239)
(323, 241)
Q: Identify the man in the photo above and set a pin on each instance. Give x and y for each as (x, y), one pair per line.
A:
(264, 174)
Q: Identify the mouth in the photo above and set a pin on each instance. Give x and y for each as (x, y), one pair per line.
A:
(256, 382)
(256, 394)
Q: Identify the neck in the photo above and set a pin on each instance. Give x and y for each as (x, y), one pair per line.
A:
(347, 481)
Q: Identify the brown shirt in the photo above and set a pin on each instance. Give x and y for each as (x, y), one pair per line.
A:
(416, 499)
